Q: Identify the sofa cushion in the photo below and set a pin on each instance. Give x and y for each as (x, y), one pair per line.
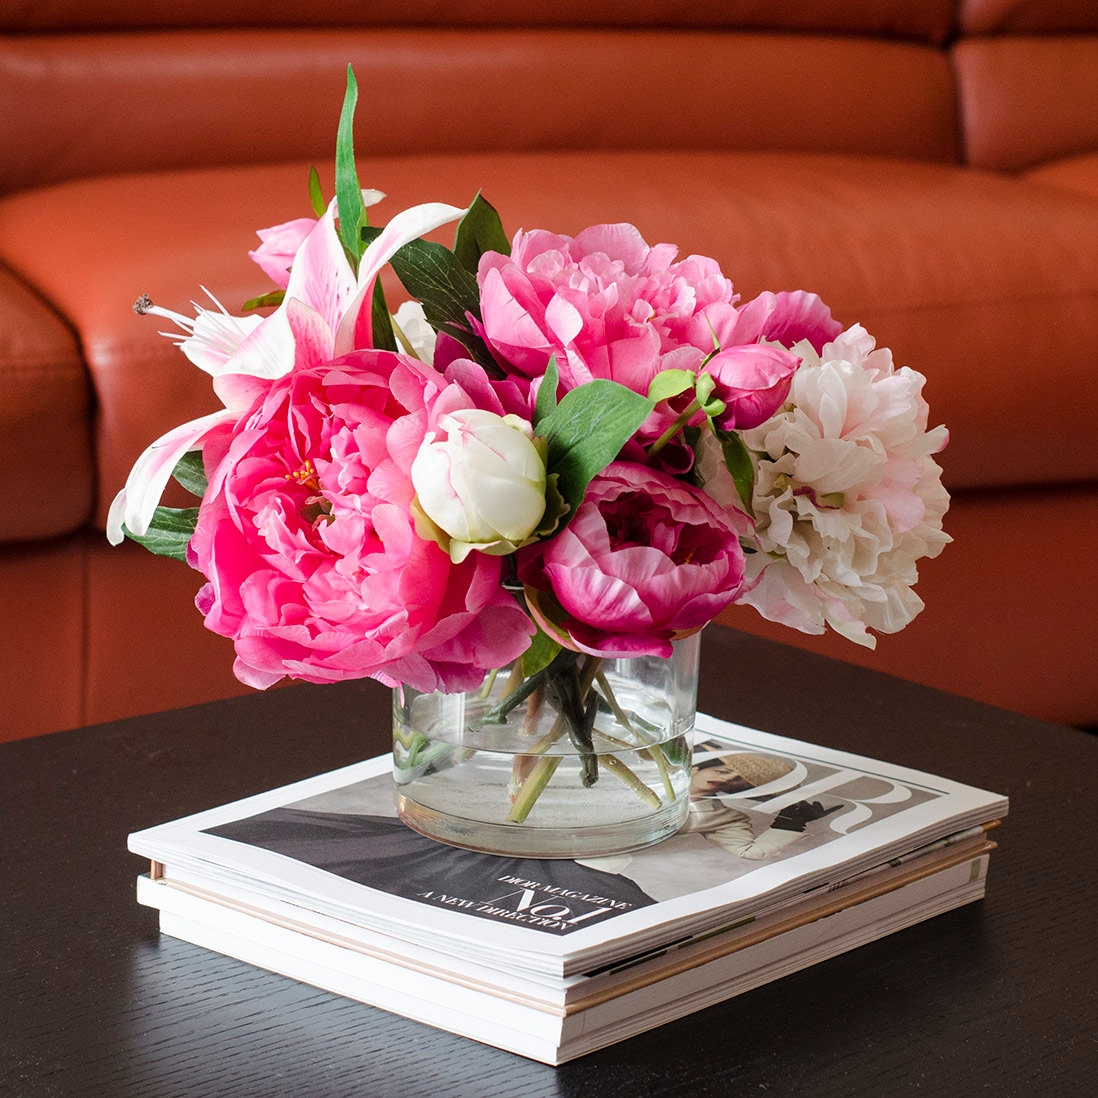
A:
(1025, 100)
(1077, 174)
(1025, 16)
(45, 433)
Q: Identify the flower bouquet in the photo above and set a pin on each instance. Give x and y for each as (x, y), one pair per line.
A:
(518, 498)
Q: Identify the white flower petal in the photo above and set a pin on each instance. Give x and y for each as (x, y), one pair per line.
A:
(355, 327)
(137, 501)
(847, 497)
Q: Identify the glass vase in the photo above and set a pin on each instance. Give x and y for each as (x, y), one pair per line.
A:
(589, 757)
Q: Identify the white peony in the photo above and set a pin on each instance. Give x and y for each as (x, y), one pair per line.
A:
(847, 496)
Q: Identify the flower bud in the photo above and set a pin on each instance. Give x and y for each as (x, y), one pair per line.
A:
(753, 381)
(480, 479)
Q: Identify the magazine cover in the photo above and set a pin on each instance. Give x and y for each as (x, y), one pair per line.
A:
(771, 819)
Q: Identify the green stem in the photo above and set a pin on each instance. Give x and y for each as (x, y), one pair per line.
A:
(490, 681)
(653, 752)
(422, 754)
(406, 739)
(521, 764)
(576, 710)
(533, 711)
(533, 787)
(620, 770)
(498, 713)
(675, 428)
(534, 783)
(580, 710)
(523, 769)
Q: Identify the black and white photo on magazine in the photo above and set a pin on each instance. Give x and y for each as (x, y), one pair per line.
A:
(749, 806)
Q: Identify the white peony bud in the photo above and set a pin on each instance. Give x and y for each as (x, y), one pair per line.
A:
(481, 480)
(411, 321)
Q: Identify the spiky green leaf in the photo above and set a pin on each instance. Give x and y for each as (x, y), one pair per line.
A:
(448, 293)
(352, 210)
(547, 391)
(383, 335)
(739, 464)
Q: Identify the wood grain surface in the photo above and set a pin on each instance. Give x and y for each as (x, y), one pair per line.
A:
(1000, 997)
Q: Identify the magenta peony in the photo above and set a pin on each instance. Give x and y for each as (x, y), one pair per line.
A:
(784, 318)
(307, 539)
(753, 381)
(645, 558)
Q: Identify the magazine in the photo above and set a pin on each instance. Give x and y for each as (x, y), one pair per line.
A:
(536, 1016)
(331, 848)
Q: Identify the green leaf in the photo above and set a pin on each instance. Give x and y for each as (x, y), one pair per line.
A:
(542, 651)
(479, 231)
(448, 293)
(432, 274)
(316, 195)
(383, 335)
(547, 391)
(586, 431)
(738, 460)
(556, 506)
(170, 530)
(275, 297)
(352, 210)
(670, 383)
(191, 473)
(712, 405)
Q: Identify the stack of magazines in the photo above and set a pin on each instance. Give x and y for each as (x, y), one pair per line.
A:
(791, 854)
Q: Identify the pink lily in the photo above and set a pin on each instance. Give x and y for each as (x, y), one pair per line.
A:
(325, 313)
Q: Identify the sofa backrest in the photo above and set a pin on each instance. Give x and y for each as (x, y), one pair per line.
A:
(1027, 80)
(102, 86)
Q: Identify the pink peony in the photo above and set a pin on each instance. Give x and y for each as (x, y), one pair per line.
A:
(306, 538)
(645, 558)
(605, 303)
(784, 318)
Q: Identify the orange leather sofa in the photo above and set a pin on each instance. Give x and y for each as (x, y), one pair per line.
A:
(930, 169)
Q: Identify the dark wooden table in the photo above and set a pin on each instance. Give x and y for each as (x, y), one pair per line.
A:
(1000, 997)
